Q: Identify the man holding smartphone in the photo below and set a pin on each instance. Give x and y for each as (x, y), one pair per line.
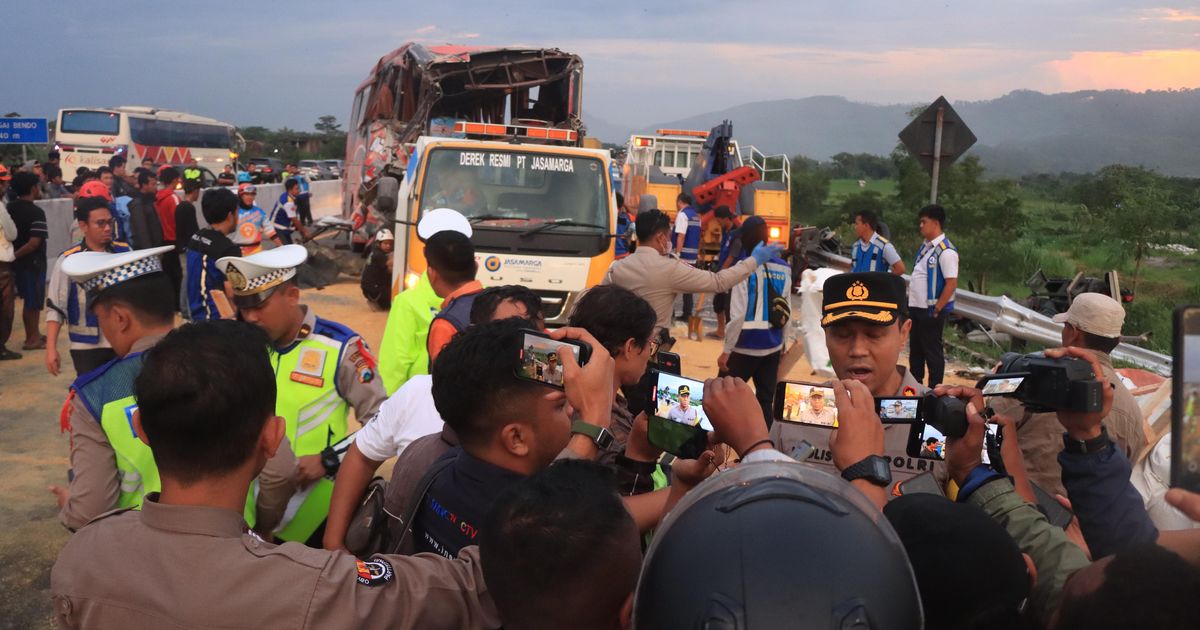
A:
(865, 316)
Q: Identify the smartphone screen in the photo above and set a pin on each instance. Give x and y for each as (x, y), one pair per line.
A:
(932, 444)
(680, 400)
(540, 358)
(898, 410)
(677, 423)
(1185, 407)
(803, 403)
(1002, 386)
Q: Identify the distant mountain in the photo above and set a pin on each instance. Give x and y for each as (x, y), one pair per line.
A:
(1020, 132)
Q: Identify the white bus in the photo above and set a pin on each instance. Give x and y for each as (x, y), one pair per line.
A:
(91, 136)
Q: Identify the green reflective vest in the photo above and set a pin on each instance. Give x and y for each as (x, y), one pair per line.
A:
(315, 413)
(108, 395)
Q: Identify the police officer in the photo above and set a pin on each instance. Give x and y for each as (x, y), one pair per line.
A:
(132, 302)
(931, 295)
(187, 560)
(873, 252)
(682, 411)
(866, 325)
(323, 368)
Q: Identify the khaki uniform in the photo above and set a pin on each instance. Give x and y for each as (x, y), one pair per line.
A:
(1040, 434)
(171, 566)
(787, 435)
(657, 279)
(95, 482)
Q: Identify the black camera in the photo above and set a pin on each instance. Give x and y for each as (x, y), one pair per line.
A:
(1044, 384)
(946, 414)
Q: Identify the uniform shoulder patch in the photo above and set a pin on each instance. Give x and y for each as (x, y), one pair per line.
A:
(374, 572)
(334, 330)
(882, 239)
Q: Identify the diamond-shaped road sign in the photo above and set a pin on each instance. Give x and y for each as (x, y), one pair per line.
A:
(919, 135)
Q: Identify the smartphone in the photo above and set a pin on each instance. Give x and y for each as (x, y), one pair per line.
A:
(926, 442)
(805, 403)
(900, 409)
(668, 362)
(1185, 400)
(539, 354)
(923, 483)
(677, 423)
(1058, 515)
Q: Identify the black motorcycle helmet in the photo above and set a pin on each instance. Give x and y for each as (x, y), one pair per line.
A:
(776, 545)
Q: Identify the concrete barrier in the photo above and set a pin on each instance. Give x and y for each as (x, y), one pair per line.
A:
(64, 231)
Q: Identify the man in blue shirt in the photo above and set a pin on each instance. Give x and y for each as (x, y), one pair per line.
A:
(204, 278)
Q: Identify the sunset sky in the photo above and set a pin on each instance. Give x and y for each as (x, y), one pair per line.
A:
(272, 64)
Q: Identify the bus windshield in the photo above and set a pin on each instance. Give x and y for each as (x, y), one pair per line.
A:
(501, 187)
(83, 121)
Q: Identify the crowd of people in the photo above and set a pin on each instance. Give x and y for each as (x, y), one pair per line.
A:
(217, 479)
(117, 210)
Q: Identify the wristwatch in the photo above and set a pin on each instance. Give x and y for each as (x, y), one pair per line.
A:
(873, 468)
(1083, 447)
(330, 460)
(599, 435)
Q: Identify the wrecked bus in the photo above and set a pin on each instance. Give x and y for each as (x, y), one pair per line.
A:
(496, 135)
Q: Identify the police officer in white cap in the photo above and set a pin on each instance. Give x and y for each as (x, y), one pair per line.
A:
(1093, 323)
(323, 369)
(133, 302)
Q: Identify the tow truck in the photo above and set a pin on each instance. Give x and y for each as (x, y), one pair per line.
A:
(496, 135)
(711, 167)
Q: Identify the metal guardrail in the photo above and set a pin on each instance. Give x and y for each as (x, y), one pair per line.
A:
(1002, 314)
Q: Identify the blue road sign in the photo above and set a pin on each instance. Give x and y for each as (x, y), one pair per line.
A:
(24, 131)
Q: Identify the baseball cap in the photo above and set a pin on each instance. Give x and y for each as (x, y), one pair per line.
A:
(952, 544)
(872, 297)
(4, 174)
(247, 189)
(1094, 313)
(443, 220)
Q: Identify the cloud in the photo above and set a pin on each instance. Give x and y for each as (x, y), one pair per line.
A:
(1171, 15)
(425, 30)
(1137, 71)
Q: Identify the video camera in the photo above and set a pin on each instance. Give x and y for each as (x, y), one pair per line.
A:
(1044, 384)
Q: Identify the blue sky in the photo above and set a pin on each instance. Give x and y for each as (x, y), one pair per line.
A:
(279, 64)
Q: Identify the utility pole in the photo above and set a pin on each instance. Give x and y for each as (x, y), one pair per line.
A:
(937, 155)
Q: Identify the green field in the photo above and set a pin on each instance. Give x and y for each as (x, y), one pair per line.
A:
(839, 189)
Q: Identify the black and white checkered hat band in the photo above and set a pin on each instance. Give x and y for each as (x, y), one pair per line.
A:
(268, 280)
(122, 273)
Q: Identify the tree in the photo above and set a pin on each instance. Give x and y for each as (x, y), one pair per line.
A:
(810, 187)
(328, 125)
(1132, 209)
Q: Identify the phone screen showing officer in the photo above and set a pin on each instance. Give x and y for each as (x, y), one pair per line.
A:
(540, 360)
(899, 410)
(1185, 404)
(805, 403)
(926, 442)
(1001, 386)
(678, 424)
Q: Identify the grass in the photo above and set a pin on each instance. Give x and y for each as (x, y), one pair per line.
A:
(839, 189)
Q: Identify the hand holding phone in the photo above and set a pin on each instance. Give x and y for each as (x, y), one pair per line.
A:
(734, 413)
(859, 433)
